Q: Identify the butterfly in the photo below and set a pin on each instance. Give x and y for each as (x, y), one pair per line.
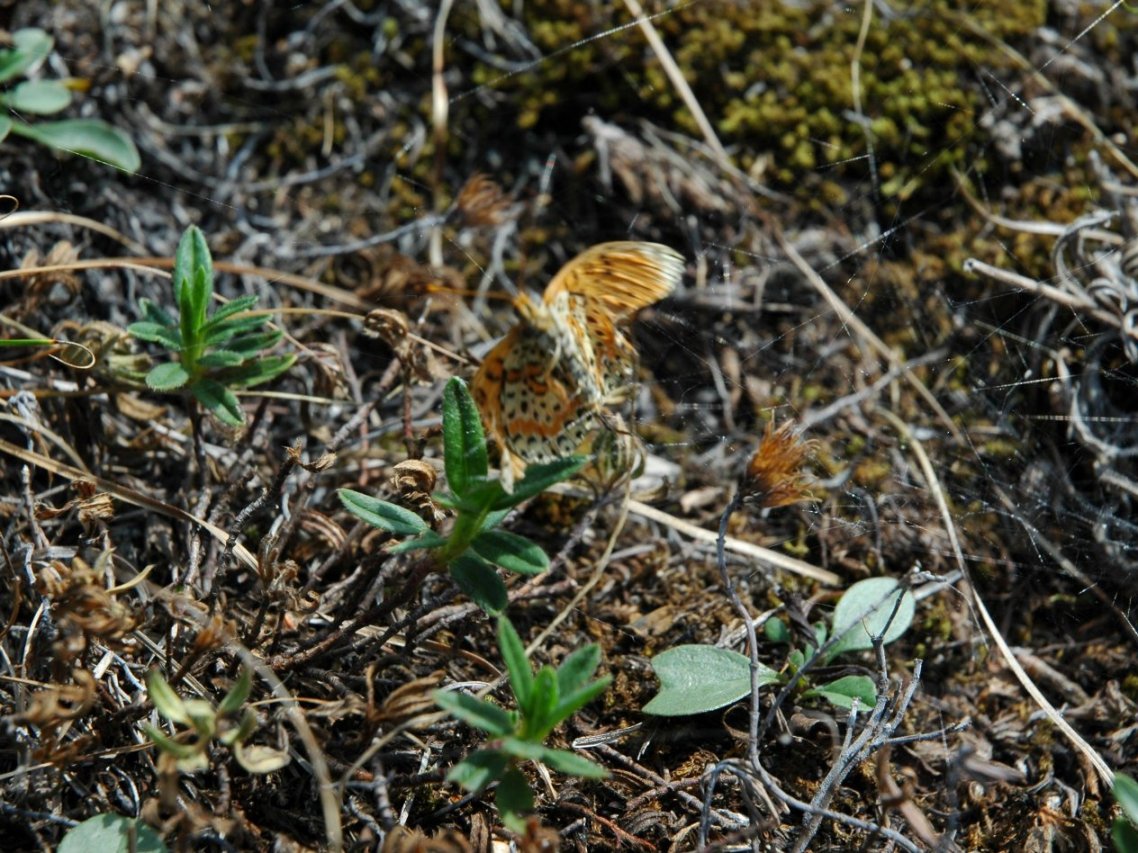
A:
(548, 387)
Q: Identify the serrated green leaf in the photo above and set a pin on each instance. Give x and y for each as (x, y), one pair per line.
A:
(258, 371)
(167, 377)
(464, 444)
(479, 769)
(157, 333)
(480, 581)
(193, 282)
(697, 678)
(475, 712)
(865, 610)
(382, 514)
(538, 478)
(39, 97)
(517, 665)
(219, 400)
(111, 833)
(843, 691)
(219, 358)
(510, 551)
(233, 306)
(30, 46)
(514, 799)
(152, 312)
(425, 541)
(240, 341)
(89, 138)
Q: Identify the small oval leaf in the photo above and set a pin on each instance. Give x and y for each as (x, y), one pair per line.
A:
(697, 678)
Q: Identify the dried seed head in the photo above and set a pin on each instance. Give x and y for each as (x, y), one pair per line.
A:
(774, 476)
(482, 202)
(413, 481)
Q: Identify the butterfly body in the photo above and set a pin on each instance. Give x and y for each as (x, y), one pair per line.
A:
(547, 388)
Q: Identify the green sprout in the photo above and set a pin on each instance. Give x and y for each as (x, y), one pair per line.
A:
(472, 548)
(231, 723)
(544, 701)
(87, 137)
(215, 352)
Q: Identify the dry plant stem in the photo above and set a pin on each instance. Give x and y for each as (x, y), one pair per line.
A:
(748, 625)
(129, 496)
(737, 546)
(1100, 766)
(874, 736)
(1055, 294)
(677, 78)
(439, 110)
(855, 323)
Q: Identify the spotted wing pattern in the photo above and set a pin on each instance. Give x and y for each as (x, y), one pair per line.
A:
(547, 388)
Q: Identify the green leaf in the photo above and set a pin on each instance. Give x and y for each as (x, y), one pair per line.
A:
(247, 345)
(219, 358)
(464, 443)
(219, 400)
(572, 764)
(233, 306)
(541, 715)
(1125, 836)
(167, 377)
(698, 678)
(518, 747)
(193, 282)
(776, 630)
(517, 665)
(39, 97)
(842, 691)
(426, 540)
(514, 799)
(152, 312)
(475, 712)
(231, 328)
(90, 138)
(510, 551)
(166, 702)
(111, 833)
(538, 478)
(571, 703)
(864, 611)
(478, 580)
(479, 769)
(30, 46)
(156, 333)
(577, 668)
(1125, 792)
(180, 751)
(259, 371)
(237, 694)
(5, 127)
(381, 514)
(480, 493)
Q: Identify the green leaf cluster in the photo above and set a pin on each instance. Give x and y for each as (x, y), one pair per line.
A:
(544, 699)
(472, 548)
(215, 352)
(698, 678)
(86, 137)
(231, 723)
